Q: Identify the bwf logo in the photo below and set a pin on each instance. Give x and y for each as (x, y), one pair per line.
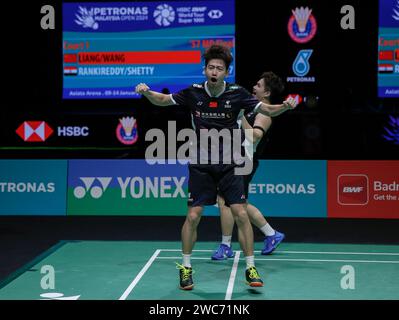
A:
(95, 190)
(353, 189)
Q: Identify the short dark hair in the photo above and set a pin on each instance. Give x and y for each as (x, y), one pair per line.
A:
(218, 52)
(273, 83)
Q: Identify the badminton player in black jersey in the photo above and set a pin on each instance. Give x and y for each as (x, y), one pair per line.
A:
(268, 89)
(215, 104)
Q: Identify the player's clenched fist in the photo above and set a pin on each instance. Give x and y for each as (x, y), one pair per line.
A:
(142, 88)
(290, 103)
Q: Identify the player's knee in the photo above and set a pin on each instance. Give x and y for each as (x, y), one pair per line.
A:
(241, 216)
(193, 217)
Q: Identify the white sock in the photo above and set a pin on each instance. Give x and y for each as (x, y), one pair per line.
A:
(187, 260)
(250, 260)
(226, 240)
(268, 230)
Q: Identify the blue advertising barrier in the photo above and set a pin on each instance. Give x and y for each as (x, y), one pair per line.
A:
(33, 187)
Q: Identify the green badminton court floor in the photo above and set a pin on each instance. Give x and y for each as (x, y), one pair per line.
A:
(134, 270)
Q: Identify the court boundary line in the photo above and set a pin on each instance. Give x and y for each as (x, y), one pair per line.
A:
(307, 252)
(342, 252)
(232, 278)
(139, 275)
(299, 260)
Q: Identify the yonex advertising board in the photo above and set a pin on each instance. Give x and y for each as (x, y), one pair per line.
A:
(290, 188)
(109, 47)
(33, 187)
(363, 189)
(126, 187)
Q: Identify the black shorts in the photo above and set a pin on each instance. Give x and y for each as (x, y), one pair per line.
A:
(206, 180)
(247, 181)
(248, 178)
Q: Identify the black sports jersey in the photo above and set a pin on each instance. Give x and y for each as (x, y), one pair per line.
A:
(221, 112)
(260, 147)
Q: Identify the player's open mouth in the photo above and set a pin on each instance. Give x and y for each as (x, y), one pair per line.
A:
(214, 80)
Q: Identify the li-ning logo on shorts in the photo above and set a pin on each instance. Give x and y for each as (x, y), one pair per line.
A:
(353, 189)
(96, 191)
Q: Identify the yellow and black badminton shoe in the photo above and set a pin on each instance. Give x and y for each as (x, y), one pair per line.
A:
(253, 278)
(186, 277)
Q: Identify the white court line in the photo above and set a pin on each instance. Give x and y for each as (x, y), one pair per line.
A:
(192, 258)
(307, 252)
(299, 260)
(349, 253)
(179, 250)
(140, 275)
(232, 276)
(324, 260)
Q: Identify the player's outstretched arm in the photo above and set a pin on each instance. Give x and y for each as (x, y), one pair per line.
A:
(273, 110)
(157, 98)
(261, 126)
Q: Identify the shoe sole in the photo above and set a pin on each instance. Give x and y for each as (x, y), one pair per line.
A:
(188, 287)
(255, 284)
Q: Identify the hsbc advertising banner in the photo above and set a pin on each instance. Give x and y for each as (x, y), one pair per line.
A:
(33, 187)
(363, 189)
(76, 130)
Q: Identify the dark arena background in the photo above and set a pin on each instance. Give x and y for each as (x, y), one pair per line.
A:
(83, 216)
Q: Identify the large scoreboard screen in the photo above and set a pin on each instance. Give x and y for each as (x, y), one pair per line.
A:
(388, 49)
(109, 47)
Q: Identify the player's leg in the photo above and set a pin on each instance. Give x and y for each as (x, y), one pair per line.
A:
(224, 250)
(245, 236)
(256, 217)
(203, 191)
(189, 230)
(246, 239)
(189, 237)
(226, 218)
(233, 188)
(272, 237)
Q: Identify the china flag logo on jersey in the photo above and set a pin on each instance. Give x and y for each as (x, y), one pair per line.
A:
(213, 104)
(34, 131)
